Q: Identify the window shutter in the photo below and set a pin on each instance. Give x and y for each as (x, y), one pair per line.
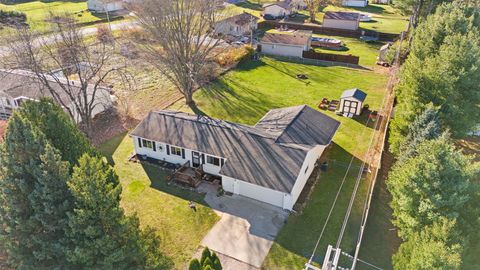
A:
(183, 153)
(154, 146)
(139, 142)
(203, 158)
(168, 149)
(222, 161)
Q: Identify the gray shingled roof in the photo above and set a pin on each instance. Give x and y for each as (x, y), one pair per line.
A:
(341, 15)
(289, 39)
(241, 19)
(262, 155)
(355, 93)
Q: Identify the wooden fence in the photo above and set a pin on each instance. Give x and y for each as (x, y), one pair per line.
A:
(350, 59)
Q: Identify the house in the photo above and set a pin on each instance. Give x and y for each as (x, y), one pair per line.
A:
(278, 9)
(238, 25)
(103, 6)
(268, 162)
(18, 86)
(286, 44)
(351, 102)
(341, 20)
(355, 3)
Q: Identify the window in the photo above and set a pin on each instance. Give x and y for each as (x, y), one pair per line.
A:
(213, 160)
(147, 144)
(177, 151)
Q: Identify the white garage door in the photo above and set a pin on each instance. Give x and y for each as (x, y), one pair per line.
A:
(260, 193)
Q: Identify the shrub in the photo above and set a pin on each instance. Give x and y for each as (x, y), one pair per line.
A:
(104, 34)
(194, 265)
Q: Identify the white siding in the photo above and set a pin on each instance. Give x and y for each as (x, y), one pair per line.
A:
(340, 24)
(283, 50)
(103, 101)
(98, 6)
(253, 191)
(308, 164)
(355, 3)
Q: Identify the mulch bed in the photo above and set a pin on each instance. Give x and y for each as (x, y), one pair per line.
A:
(110, 124)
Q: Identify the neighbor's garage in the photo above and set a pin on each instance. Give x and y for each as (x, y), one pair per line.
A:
(341, 20)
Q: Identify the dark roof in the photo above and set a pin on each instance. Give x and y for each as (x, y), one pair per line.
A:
(23, 83)
(355, 93)
(262, 155)
(289, 39)
(282, 4)
(241, 19)
(340, 15)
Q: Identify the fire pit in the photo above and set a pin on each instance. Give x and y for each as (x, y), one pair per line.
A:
(326, 42)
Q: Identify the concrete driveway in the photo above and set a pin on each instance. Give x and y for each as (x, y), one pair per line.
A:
(246, 229)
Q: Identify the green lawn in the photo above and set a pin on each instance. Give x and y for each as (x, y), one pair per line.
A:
(38, 11)
(163, 207)
(245, 94)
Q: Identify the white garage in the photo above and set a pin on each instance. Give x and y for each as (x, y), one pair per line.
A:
(341, 20)
(286, 44)
(355, 3)
(351, 102)
(269, 162)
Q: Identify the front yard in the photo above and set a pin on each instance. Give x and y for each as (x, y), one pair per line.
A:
(162, 207)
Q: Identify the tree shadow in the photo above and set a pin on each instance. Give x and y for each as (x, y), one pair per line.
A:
(108, 148)
(249, 5)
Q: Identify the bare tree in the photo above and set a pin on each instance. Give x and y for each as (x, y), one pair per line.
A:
(71, 69)
(314, 5)
(182, 34)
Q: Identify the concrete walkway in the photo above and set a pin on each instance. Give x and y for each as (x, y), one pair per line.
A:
(246, 229)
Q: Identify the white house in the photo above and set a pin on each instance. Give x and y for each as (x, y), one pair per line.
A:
(102, 6)
(279, 9)
(355, 3)
(286, 44)
(18, 86)
(351, 101)
(341, 20)
(268, 162)
(238, 25)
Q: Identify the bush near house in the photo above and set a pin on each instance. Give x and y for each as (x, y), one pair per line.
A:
(209, 261)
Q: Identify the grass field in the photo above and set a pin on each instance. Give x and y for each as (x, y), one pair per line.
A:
(38, 11)
(245, 94)
(162, 207)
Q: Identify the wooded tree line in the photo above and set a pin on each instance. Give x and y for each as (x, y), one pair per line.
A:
(60, 200)
(435, 195)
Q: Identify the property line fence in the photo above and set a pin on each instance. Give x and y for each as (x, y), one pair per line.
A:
(343, 58)
(316, 62)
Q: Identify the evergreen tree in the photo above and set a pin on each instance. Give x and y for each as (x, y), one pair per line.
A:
(442, 69)
(58, 127)
(431, 185)
(33, 196)
(425, 127)
(194, 265)
(101, 236)
(436, 247)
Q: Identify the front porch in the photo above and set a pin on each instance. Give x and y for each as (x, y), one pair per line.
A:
(186, 175)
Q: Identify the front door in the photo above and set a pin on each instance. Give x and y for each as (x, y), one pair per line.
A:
(195, 159)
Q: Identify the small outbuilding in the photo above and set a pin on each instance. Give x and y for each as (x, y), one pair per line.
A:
(341, 20)
(278, 9)
(286, 44)
(355, 3)
(351, 102)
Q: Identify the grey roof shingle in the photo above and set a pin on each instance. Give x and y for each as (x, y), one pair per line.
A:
(297, 39)
(355, 93)
(341, 15)
(261, 156)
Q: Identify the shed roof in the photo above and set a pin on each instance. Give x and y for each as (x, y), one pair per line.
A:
(355, 93)
(341, 15)
(269, 154)
(288, 39)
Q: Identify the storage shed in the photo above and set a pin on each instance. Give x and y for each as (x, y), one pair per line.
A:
(341, 20)
(351, 101)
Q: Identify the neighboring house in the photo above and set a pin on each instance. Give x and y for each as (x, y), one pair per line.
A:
(238, 25)
(18, 86)
(102, 6)
(341, 20)
(351, 102)
(355, 3)
(268, 162)
(286, 44)
(298, 4)
(279, 9)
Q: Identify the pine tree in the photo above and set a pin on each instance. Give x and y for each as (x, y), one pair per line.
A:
(435, 247)
(433, 184)
(33, 196)
(102, 236)
(58, 128)
(194, 265)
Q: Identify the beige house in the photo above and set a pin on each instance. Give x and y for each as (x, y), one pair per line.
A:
(238, 25)
(278, 9)
(341, 20)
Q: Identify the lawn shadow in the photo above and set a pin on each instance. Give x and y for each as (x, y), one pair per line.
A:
(249, 5)
(303, 228)
(108, 148)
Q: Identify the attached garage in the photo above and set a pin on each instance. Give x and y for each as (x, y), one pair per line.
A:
(351, 102)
